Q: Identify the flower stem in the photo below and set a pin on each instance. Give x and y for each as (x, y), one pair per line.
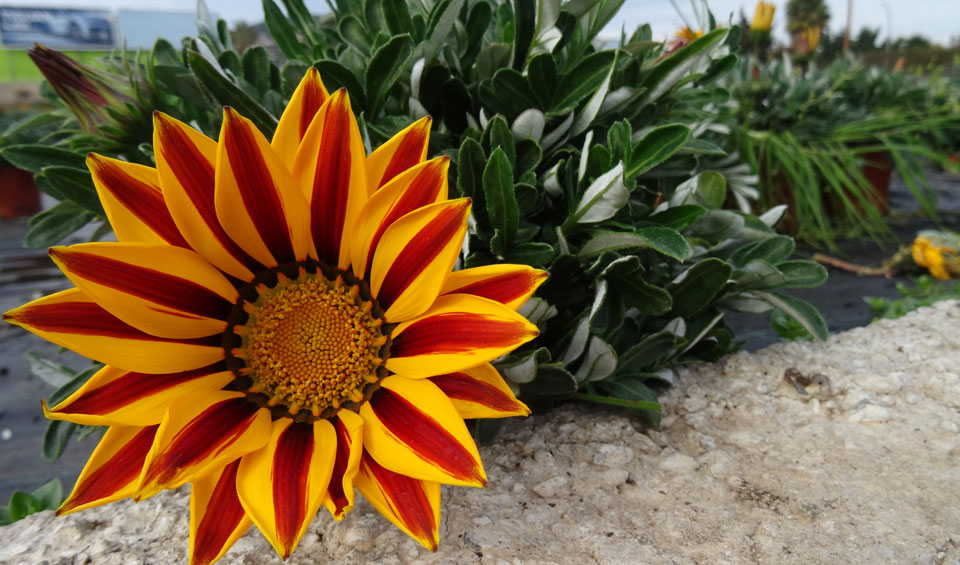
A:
(613, 401)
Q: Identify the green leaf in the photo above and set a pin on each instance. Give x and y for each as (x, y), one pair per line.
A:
(471, 162)
(256, 68)
(23, 505)
(662, 239)
(52, 225)
(533, 253)
(678, 217)
(583, 79)
(758, 274)
(512, 86)
(302, 17)
(552, 380)
(638, 293)
(397, 15)
(385, 67)
(648, 352)
(477, 23)
(656, 147)
(73, 385)
(225, 92)
(802, 274)
(698, 286)
(501, 200)
(49, 494)
(35, 157)
(282, 30)
(501, 136)
(799, 310)
(773, 250)
(353, 32)
(74, 184)
(55, 438)
(337, 76)
(602, 199)
(492, 58)
(633, 389)
(440, 24)
(525, 16)
(542, 76)
(702, 147)
(678, 65)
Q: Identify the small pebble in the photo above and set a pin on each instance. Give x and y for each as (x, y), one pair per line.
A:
(6, 434)
(870, 414)
(610, 455)
(551, 487)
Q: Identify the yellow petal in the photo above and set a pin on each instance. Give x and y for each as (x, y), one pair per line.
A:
(329, 168)
(304, 104)
(510, 285)
(162, 290)
(217, 520)
(339, 497)
(186, 161)
(133, 202)
(415, 256)
(410, 504)
(399, 153)
(114, 396)
(459, 331)
(414, 188)
(257, 201)
(281, 485)
(113, 469)
(411, 428)
(72, 320)
(199, 435)
(480, 392)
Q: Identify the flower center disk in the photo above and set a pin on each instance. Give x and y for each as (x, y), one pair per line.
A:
(311, 343)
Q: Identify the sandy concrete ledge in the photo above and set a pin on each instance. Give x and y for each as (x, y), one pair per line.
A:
(862, 468)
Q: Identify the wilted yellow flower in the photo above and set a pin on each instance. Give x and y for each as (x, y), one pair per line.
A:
(938, 253)
(812, 35)
(763, 16)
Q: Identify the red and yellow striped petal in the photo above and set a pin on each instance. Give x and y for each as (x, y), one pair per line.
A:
(114, 396)
(112, 471)
(200, 434)
(480, 392)
(257, 201)
(296, 118)
(412, 505)
(71, 319)
(402, 151)
(217, 520)
(414, 188)
(186, 162)
(162, 290)
(459, 331)
(132, 199)
(330, 169)
(281, 485)
(415, 256)
(340, 496)
(410, 427)
(510, 285)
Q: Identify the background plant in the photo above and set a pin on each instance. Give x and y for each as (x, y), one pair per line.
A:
(605, 164)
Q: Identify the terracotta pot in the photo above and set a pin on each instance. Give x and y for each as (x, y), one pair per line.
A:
(19, 196)
(877, 167)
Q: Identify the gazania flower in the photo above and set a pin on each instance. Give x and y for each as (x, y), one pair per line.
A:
(938, 252)
(280, 324)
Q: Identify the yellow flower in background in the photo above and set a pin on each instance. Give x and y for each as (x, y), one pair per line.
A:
(687, 35)
(280, 324)
(938, 252)
(763, 16)
(812, 36)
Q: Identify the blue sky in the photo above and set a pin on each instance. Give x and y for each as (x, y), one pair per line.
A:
(938, 19)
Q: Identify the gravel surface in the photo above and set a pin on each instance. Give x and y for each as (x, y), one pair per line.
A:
(840, 452)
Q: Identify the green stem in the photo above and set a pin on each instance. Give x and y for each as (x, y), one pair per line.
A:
(613, 401)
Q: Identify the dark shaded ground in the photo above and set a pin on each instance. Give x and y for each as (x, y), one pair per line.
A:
(25, 275)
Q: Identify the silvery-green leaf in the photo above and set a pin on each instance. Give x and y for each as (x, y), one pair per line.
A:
(746, 302)
(551, 180)
(547, 12)
(524, 370)
(483, 119)
(415, 73)
(676, 326)
(617, 97)
(800, 310)
(529, 123)
(696, 339)
(48, 371)
(578, 342)
(537, 310)
(549, 39)
(773, 216)
(563, 248)
(603, 198)
(600, 362)
(584, 156)
(598, 297)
